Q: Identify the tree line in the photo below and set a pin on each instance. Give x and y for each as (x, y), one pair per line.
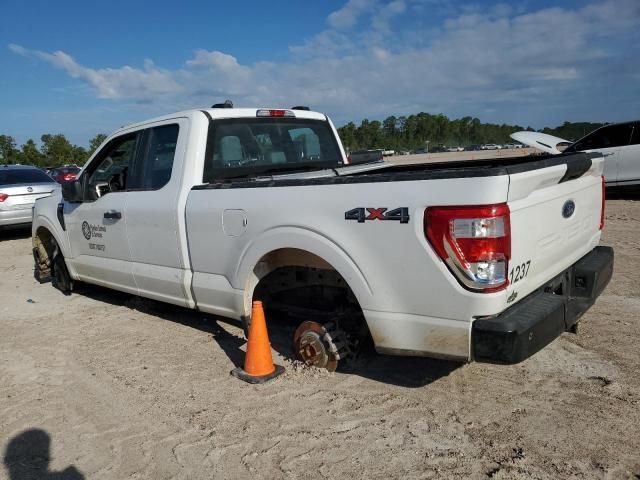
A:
(55, 150)
(414, 131)
(397, 133)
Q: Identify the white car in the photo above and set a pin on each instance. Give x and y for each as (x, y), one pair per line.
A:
(491, 146)
(20, 187)
(211, 209)
(619, 143)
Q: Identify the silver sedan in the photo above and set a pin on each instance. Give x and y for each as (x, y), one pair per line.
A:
(20, 187)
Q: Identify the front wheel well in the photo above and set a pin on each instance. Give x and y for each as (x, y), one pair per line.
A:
(45, 248)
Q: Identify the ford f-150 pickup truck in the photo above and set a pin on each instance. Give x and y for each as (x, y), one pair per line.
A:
(210, 209)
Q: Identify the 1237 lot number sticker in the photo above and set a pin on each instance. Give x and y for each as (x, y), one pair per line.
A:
(519, 272)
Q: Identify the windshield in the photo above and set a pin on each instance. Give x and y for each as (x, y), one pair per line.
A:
(18, 176)
(248, 147)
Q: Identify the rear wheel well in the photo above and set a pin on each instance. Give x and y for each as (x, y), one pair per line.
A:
(305, 287)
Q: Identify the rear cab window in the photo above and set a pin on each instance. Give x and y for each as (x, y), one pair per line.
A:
(240, 147)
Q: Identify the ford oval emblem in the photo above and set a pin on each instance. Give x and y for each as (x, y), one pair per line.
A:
(568, 208)
(29, 189)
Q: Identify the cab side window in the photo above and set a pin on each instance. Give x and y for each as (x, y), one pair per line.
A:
(156, 163)
(112, 167)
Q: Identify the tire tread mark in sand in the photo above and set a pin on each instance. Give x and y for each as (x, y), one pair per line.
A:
(517, 454)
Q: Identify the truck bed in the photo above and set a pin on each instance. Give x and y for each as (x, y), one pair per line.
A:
(577, 164)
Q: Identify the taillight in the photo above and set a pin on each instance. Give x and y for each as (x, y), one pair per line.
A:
(69, 176)
(474, 242)
(274, 113)
(602, 207)
(349, 158)
(3, 197)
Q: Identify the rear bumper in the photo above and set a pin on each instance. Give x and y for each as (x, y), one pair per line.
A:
(10, 218)
(534, 322)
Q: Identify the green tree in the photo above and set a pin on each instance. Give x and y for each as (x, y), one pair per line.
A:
(95, 142)
(57, 149)
(572, 131)
(8, 151)
(31, 155)
(80, 155)
(348, 136)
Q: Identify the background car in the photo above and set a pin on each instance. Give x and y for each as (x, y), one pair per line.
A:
(20, 187)
(65, 174)
(619, 144)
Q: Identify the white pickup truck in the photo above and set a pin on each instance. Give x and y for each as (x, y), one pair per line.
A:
(209, 209)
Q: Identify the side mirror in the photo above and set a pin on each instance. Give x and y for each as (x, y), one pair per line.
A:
(72, 191)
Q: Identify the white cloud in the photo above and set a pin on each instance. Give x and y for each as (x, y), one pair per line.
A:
(123, 82)
(380, 21)
(214, 59)
(347, 16)
(495, 63)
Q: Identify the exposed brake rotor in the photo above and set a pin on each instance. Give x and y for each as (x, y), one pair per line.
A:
(320, 345)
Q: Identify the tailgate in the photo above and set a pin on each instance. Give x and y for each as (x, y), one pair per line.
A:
(555, 219)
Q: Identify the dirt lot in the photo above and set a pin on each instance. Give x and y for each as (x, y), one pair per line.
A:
(456, 156)
(115, 387)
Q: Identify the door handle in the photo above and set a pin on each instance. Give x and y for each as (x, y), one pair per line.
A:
(112, 214)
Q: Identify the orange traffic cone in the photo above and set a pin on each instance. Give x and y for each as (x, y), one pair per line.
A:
(258, 362)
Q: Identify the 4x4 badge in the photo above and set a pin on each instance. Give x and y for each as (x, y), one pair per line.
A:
(362, 214)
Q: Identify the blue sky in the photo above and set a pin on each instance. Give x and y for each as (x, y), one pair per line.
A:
(80, 68)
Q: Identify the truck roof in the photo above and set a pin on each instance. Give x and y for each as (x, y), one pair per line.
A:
(218, 113)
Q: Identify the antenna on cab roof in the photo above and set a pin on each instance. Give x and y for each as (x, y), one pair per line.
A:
(226, 104)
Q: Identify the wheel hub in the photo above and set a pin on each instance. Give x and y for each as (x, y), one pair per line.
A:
(318, 345)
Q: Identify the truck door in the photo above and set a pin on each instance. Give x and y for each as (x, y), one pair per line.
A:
(155, 214)
(629, 169)
(97, 226)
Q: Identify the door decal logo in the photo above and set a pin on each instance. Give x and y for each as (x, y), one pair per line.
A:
(86, 230)
(29, 189)
(568, 208)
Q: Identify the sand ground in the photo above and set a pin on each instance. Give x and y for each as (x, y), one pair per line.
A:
(117, 387)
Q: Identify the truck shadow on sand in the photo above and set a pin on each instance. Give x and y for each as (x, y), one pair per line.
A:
(15, 233)
(28, 455)
(411, 372)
